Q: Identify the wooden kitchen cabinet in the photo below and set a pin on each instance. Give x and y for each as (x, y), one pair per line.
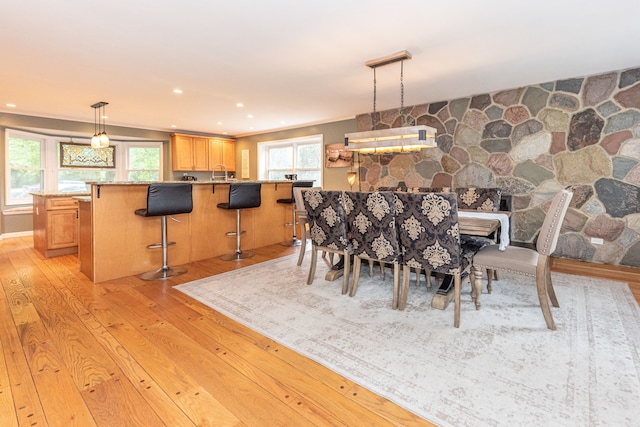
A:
(189, 153)
(222, 151)
(55, 225)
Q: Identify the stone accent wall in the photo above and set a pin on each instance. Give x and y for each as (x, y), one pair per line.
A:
(582, 133)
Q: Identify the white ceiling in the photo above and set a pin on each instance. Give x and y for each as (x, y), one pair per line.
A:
(291, 62)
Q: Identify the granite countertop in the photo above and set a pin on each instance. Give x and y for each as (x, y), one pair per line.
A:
(59, 194)
(280, 181)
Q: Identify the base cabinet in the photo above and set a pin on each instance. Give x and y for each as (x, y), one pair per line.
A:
(55, 225)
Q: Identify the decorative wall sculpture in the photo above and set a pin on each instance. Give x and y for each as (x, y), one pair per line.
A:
(582, 133)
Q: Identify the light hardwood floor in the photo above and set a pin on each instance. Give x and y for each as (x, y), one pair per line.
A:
(133, 353)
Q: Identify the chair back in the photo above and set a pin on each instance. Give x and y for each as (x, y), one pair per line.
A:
(372, 225)
(550, 231)
(434, 189)
(298, 198)
(429, 235)
(480, 199)
(169, 199)
(244, 195)
(326, 218)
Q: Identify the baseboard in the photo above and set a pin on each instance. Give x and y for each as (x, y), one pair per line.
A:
(16, 234)
(592, 269)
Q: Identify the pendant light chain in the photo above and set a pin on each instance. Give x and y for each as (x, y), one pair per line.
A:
(402, 92)
(375, 117)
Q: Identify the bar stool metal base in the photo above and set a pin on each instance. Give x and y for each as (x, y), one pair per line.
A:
(294, 242)
(163, 273)
(236, 256)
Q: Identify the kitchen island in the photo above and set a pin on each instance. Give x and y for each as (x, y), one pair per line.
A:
(114, 240)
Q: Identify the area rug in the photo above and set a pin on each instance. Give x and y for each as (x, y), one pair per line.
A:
(502, 367)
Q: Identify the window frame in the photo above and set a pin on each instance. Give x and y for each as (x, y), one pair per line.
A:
(50, 150)
(263, 155)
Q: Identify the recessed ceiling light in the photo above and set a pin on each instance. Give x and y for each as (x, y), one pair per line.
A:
(225, 133)
(11, 105)
(282, 122)
(239, 105)
(250, 116)
(177, 91)
(174, 126)
(251, 128)
(219, 123)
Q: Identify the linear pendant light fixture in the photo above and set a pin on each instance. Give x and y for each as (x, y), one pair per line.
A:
(405, 139)
(100, 138)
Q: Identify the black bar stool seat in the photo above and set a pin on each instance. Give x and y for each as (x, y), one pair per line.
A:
(242, 195)
(292, 201)
(165, 200)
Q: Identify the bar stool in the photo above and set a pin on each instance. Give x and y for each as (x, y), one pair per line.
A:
(165, 200)
(242, 195)
(292, 201)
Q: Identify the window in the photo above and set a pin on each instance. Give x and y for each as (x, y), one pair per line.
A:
(300, 156)
(34, 164)
(143, 164)
(25, 170)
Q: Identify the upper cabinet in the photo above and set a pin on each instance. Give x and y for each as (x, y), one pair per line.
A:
(222, 151)
(198, 153)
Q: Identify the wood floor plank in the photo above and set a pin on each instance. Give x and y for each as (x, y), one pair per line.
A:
(235, 391)
(153, 369)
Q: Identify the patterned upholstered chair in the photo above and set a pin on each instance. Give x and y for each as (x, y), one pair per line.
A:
(372, 226)
(533, 263)
(480, 199)
(430, 239)
(328, 229)
(302, 219)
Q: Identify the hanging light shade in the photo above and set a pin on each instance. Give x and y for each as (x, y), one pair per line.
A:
(100, 138)
(351, 177)
(405, 139)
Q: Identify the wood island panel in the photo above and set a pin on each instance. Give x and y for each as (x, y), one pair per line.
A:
(119, 238)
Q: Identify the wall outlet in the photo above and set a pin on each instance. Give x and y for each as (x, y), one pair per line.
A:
(597, 241)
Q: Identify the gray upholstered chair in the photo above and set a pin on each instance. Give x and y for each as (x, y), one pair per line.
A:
(372, 227)
(166, 199)
(328, 229)
(533, 263)
(429, 234)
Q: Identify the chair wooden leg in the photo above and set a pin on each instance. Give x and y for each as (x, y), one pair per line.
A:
(406, 276)
(541, 284)
(345, 277)
(396, 285)
(303, 247)
(476, 284)
(356, 275)
(550, 290)
(312, 267)
(490, 275)
(370, 268)
(418, 278)
(456, 297)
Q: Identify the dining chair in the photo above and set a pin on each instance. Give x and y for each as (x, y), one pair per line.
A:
(372, 226)
(529, 262)
(480, 199)
(301, 213)
(328, 229)
(430, 239)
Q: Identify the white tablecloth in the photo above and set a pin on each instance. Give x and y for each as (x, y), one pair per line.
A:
(504, 223)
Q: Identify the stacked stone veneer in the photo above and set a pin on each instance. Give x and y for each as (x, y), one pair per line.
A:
(582, 133)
